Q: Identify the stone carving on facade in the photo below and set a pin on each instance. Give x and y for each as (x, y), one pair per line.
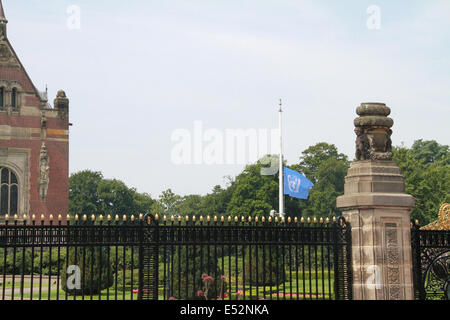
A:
(61, 103)
(392, 261)
(44, 169)
(373, 131)
(43, 126)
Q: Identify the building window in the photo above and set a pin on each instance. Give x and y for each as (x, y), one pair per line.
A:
(14, 98)
(9, 199)
(2, 104)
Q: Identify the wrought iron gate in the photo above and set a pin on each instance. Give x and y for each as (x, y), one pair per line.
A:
(431, 264)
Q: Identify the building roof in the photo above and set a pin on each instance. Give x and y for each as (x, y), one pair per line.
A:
(2, 13)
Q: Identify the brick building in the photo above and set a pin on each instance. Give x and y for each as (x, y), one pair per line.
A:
(34, 141)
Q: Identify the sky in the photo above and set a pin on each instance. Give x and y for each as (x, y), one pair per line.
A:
(137, 72)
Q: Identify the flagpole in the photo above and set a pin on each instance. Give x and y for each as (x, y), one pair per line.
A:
(280, 172)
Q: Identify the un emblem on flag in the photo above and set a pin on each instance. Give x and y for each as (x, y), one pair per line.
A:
(294, 183)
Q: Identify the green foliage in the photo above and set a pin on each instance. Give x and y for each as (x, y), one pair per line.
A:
(95, 272)
(29, 262)
(426, 168)
(266, 267)
(190, 275)
(90, 193)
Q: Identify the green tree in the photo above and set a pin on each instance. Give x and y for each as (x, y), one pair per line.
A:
(167, 204)
(115, 197)
(83, 192)
(426, 168)
(90, 193)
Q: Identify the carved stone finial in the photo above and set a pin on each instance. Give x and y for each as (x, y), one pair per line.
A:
(373, 131)
(61, 103)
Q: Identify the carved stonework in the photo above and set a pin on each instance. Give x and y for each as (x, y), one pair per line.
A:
(373, 132)
(392, 261)
(44, 169)
(61, 103)
(7, 58)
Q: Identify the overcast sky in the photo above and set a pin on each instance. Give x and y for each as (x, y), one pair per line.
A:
(138, 70)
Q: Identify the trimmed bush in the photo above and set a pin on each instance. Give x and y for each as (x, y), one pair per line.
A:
(94, 275)
(266, 267)
(190, 276)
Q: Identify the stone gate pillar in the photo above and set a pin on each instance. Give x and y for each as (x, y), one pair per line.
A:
(378, 209)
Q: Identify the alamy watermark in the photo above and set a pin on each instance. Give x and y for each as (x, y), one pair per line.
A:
(374, 20)
(229, 146)
(73, 277)
(374, 281)
(74, 17)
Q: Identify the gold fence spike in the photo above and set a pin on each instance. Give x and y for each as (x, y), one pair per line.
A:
(270, 219)
(334, 219)
(59, 217)
(33, 217)
(417, 222)
(187, 218)
(327, 220)
(308, 220)
(194, 218)
(172, 218)
(296, 220)
(141, 216)
(117, 217)
(16, 217)
(24, 217)
(179, 219)
(101, 217)
(51, 217)
(93, 217)
(222, 219)
(42, 217)
(229, 219)
(215, 218)
(156, 217)
(132, 218)
(321, 220)
(249, 219)
(124, 218)
(289, 220)
(283, 219)
(109, 217)
(263, 219)
(208, 218)
(315, 220)
(256, 219)
(236, 219)
(76, 217)
(201, 218)
(276, 219)
(6, 217)
(84, 217)
(302, 220)
(164, 218)
(242, 219)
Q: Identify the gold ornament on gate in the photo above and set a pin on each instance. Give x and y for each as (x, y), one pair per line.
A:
(444, 216)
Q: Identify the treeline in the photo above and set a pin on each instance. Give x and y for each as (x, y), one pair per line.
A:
(426, 167)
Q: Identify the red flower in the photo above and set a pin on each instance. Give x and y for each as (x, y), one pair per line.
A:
(199, 293)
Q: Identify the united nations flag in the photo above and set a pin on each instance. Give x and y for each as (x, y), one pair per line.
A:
(296, 185)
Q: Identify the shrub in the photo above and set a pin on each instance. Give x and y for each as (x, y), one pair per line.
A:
(190, 275)
(266, 267)
(94, 275)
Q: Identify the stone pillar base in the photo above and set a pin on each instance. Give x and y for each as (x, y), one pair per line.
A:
(378, 209)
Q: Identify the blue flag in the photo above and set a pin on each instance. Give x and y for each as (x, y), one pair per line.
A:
(296, 185)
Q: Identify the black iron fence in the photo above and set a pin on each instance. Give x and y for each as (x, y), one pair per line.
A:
(175, 258)
(431, 263)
